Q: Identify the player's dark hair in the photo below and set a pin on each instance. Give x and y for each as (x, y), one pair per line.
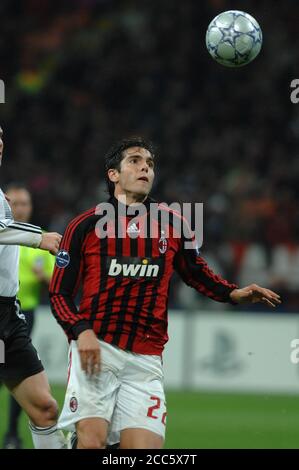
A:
(115, 155)
(16, 186)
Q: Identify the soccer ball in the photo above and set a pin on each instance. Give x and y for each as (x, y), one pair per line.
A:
(234, 38)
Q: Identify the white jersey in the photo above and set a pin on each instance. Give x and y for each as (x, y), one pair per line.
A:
(12, 234)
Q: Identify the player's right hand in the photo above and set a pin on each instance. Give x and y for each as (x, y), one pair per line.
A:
(50, 242)
(90, 352)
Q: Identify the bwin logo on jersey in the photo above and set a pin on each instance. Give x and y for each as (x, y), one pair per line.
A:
(134, 267)
(62, 259)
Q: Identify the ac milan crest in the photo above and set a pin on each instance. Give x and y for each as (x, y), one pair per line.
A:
(73, 404)
(162, 245)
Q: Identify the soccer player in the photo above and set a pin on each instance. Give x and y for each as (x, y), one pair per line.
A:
(117, 335)
(22, 371)
(35, 271)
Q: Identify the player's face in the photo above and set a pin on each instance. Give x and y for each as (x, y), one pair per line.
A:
(136, 173)
(20, 203)
(1, 145)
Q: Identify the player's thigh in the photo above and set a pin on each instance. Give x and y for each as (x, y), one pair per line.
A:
(92, 433)
(138, 438)
(32, 391)
(141, 415)
(88, 396)
(34, 396)
(141, 402)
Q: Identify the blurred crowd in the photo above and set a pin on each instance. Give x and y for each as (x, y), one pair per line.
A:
(81, 74)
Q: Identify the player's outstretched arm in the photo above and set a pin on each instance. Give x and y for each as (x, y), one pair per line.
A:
(13, 232)
(195, 272)
(253, 294)
(19, 233)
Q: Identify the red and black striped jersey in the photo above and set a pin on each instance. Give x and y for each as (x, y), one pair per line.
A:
(124, 278)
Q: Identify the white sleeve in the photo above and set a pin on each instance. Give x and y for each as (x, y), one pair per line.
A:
(19, 233)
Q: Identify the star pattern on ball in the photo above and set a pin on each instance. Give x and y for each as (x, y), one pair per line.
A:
(256, 35)
(229, 35)
(239, 59)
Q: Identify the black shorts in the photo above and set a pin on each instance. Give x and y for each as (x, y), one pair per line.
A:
(20, 357)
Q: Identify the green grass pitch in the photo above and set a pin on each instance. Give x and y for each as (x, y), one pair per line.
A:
(210, 421)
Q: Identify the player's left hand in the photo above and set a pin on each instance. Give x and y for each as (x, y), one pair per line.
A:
(253, 294)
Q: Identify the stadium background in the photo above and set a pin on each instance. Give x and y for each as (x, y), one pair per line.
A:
(81, 74)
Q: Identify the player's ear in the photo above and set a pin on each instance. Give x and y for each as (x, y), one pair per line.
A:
(113, 175)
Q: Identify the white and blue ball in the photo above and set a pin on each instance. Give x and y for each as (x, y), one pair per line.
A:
(234, 38)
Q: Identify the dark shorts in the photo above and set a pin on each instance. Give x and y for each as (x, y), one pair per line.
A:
(20, 357)
(29, 317)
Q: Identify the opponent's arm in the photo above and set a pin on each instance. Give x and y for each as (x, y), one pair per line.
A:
(19, 233)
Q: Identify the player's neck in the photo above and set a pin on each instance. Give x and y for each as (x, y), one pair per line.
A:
(130, 199)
